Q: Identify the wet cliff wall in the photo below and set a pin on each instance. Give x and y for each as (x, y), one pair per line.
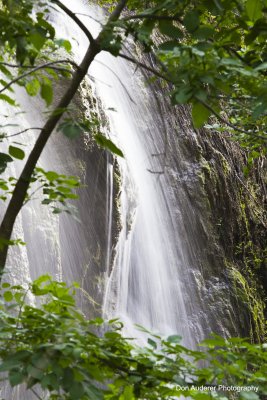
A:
(226, 211)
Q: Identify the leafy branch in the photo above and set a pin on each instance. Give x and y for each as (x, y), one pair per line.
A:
(39, 67)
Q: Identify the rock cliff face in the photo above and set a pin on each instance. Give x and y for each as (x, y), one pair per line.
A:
(226, 211)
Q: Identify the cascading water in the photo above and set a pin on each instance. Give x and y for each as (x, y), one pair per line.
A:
(145, 284)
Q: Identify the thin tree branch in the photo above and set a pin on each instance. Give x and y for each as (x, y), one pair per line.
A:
(153, 16)
(229, 123)
(117, 11)
(74, 17)
(6, 64)
(32, 66)
(119, 79)
(69, 61)
(36, 394)
(24, 130)
(144, 66)
(46, 65)
(89, 16)
(32, 194)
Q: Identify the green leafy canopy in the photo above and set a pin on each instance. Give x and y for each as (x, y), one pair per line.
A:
(214, 53)
(55, 348)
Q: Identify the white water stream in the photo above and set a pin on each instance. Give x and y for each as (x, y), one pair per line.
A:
(145, 284)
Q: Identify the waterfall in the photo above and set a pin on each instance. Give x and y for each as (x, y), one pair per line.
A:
(145, 285)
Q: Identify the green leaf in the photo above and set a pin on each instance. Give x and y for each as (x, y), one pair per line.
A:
(254, 10)
(6, 285)
(8, 99)
(32, 87)
(174, 339)
(152, 343)
(204, 32)
(76, 391)
(64, 43)
(102, 141)
(8, 296)
(127, 394)
(200, 115)
(169, 46)
(183, 95)
(168, 29)
(34, 372)
(249, 396)
(38, 39)
(51, 175)
(47, 93)
(15, 378)
(191, 20)
(261, 67)
(16, 152)
(4, 160)
(71, 130)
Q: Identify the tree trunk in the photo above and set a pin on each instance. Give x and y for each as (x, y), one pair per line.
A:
(23, 182)
(22, 186)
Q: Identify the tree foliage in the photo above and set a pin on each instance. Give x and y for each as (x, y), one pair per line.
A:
(214, 55)
(55, 348)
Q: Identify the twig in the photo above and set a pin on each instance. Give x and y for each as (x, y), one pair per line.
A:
(142, 65)
(89, 16)
(34, 70)
(155, 172)
(229, 123)
(31, 66)
(6, 64)
(74, 17)
(153, 16)
(36, 394)
(99, 80)
(32, 194)
(119, 79)
(24, 130)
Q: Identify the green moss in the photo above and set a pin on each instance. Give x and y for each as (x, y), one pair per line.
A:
(205, 166)
(246, 288)
(225, 165)
(204, 171)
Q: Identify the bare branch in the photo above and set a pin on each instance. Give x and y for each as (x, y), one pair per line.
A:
(119, 79)
(36, 394)
(74, 17)
(153, 16)
(24, 130)
(32, 194)
(155, 172)
(90, 16)
(144, 66)
(6, 64)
